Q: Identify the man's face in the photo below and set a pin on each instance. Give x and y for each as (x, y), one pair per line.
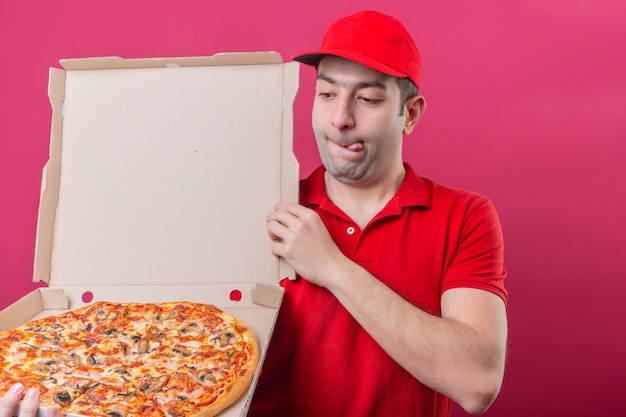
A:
(356, 121)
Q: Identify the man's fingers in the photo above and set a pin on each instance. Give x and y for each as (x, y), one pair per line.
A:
(294, 209)
(10, 403)
(30, 403)
(273, 236)
(278, 220)
(276, 233)
(289, 214)
(10, 399)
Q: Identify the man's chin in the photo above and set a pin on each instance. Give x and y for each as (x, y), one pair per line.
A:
(351, 175)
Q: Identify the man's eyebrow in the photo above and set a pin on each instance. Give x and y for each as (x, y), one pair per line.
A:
(360, 85)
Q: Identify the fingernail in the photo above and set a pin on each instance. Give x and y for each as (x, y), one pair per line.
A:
(17, 387)
(32, 392)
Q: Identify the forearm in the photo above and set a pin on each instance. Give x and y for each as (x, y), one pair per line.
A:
(446, 354)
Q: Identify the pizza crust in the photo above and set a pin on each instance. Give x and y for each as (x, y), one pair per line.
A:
(241, 384)
(237, 390)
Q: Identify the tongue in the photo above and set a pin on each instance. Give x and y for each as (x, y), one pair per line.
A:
(355, 147)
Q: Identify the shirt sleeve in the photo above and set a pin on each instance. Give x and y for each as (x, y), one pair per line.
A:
(478, 249)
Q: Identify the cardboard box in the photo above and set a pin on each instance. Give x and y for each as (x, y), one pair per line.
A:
(160, 175)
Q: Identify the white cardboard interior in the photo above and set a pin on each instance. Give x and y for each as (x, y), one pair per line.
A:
(160, 175)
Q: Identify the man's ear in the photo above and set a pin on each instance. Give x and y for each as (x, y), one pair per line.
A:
(414, 108)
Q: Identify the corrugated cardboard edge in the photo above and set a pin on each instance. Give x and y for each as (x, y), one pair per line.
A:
(30, 305)
(50, 180)
(269, 296)
(289, 189)
(114, 62)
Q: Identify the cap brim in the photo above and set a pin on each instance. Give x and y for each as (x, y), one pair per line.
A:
(314, 58)
(310, 58)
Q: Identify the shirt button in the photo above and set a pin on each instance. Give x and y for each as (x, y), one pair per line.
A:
(350, 230)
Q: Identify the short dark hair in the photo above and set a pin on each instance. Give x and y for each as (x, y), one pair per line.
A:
(408, 90)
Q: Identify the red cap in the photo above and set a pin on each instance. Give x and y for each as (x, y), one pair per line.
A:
(372, 39)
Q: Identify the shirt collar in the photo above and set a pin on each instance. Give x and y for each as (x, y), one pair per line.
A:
(412, 193)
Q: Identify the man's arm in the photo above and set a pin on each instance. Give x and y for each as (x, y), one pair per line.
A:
(460, 354)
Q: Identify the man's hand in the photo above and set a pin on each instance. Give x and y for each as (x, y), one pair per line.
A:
(300, 237)
(30, 404)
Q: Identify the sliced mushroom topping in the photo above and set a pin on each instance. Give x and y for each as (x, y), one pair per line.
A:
(62, 398)
(191, 328)
(151, 388)
(224, 338)
(181, 351)
(44, 367)
(56, 340)
(159, 318)
(37, 328)
(70, 359)
(125, 396)
(102, 314)
(110, 331)
(49, 380)
(207, 377)
(94, 386)
(91, 360)
(121, 371)
(81, 389)
(143, 346)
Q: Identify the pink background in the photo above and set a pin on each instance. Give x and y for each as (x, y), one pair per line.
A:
(527, 105)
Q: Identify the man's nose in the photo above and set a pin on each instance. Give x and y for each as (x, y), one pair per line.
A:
(343, 115)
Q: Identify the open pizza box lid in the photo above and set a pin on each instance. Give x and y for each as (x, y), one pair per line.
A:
(161, 173)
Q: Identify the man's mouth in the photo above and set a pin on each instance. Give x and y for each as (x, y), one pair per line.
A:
(353, 144)
(354, 147)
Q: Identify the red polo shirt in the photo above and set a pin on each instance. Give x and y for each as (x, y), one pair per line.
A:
(426, 240)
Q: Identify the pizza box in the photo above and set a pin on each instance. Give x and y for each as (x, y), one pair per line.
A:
(160, 175)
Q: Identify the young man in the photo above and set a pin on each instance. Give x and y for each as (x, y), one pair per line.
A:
(399, 304)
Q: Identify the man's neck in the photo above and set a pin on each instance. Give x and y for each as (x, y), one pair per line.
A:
(363, 202)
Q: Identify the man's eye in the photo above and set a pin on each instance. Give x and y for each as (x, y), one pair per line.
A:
(368, 100)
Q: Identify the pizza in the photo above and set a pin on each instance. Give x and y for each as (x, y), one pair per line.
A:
(131, 359)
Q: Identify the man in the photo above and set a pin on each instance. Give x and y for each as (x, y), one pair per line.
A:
(399, 305)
